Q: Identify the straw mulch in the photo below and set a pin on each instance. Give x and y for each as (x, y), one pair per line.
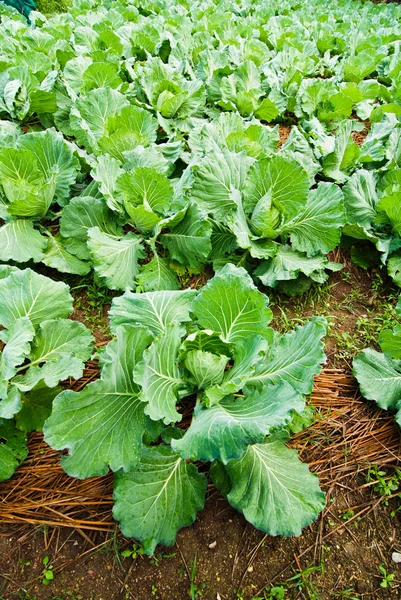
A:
(348, 436)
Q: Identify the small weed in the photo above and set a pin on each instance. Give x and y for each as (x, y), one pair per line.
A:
(47, 573)
(348, 514)
(135, 552)
(195, 590)
(277, 592)
(155, 560)
(387, 578)
(22, 563)
(300, 583)
(154, 590)
(384, 484)
(91, 299)
(345, 594)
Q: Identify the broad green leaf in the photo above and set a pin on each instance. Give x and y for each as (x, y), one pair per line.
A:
(26, 189)
(389, 213)
(390, 342)
(360, 198)
(231, 305)
(20, 241)
(394, 268)
(344, 155)
(135, 120)
(156, 275)
(18, 340)
(59, 351)
(91, 112)
(317, 228)
(223, 241)
(266, 111)
(280, 181)
(159, 376)
(79, 216)
(54, 156)
(105, 172)
(359, 66)
(287, 264)
(101, 75)
(295, 357)
(245, 238)
(156, 499)
(102, 426)
(379, 378)
(116, 258)
(154, 310)
(207, 369)
(145, 187)
(36, 407)
(189, 241)
(144, 219)
(131, 128)
(13, 448)
(247, 353)
(215, 178)
(28, 294)
(273, 489)
(225, 429)
(207, 341)
(58, 257)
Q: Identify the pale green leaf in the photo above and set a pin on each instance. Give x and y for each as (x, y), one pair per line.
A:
(154, 310)
(390, 342)
(207, 369)
(28, 294)
(295, 357)
(26, 189)
(54, 156)
(79, 216)
(159, 376)
(215, 178)
(248, 352)
(18, 340)
(156, 275)
(189, 241)
(282, 181)
(59, 351)
(360, 198)
(379, 378)
(317, 228)
(158, 497)
(273, 489)
(287, 264)
(58, 257)
(13, 448)
(231, 305)
(225, 429)
(20, 241)
(102, 426)
(116, 258)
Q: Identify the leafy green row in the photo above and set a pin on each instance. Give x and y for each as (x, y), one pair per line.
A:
(379, 373)
(174, 352)
(156, 154)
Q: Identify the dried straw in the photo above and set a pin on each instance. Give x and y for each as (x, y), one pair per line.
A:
(347, 436)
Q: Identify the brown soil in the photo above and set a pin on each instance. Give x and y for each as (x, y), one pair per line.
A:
(230, 554)
(359, 136)
(283, 131)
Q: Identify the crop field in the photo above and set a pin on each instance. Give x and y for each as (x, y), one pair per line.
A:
(200, 308)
